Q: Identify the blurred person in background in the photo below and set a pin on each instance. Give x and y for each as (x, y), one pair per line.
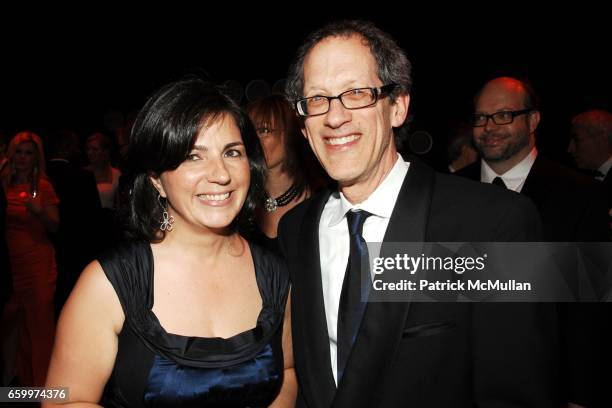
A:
(98, 149)
(293, 171)
(32, 212)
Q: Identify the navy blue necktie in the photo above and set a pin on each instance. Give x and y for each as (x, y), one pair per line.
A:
(351, 308)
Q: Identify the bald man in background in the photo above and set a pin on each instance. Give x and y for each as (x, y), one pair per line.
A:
(571, 205)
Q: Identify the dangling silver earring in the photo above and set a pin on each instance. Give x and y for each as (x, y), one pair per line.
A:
(167, 220)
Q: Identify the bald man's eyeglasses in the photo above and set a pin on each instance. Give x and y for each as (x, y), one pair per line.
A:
(499, 118)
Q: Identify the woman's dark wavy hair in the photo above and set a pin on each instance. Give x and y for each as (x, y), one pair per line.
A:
(163, 135)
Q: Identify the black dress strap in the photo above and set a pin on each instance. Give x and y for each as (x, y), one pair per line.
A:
(128, 268)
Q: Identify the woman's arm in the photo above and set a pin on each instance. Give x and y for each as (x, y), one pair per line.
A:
(86, 341)
(288, 392)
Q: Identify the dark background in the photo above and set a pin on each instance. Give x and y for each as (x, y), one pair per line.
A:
(71, 71)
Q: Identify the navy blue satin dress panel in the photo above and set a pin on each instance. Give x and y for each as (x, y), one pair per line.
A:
(154, 368)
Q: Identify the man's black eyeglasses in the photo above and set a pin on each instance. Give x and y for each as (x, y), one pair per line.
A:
(352, 99)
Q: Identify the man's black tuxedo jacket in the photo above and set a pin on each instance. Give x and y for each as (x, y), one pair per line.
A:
(573, 209)
(571, 205)
(426, 354)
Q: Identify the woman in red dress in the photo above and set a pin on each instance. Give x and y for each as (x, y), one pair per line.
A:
(31, 213)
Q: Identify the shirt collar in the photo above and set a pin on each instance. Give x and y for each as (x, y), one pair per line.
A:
(381, 201)
(605, 167)
(513, 178)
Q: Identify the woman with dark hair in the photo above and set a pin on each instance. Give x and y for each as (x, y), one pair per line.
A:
(293, 172)
(186, 313)
(31, 213)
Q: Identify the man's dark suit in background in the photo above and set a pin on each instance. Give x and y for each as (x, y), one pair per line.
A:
(571, 206)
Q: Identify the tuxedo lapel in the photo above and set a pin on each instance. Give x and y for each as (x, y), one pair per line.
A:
(383, 322)
(411, 212)
(534, 186)
(318, 384)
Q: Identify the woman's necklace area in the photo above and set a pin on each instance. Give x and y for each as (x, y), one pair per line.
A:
(272, 204)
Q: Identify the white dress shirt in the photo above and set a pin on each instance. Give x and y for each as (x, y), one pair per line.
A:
(513, 178)
(334, 244)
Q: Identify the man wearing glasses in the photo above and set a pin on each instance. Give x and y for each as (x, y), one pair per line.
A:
(505, 122)
(571, 206)
(350, 85)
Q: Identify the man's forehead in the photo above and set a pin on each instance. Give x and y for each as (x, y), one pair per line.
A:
(339, 62)
(501, 94)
